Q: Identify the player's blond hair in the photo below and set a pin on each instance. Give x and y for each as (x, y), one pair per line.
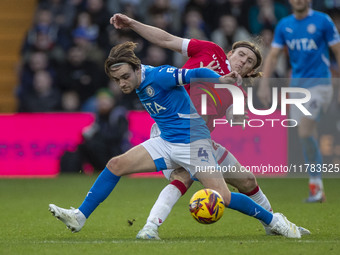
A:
(256, 50)
(122, 54)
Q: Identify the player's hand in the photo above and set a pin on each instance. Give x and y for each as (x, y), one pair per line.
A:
(120, 21)
(241, 120)
(231, 78)
(263, 92)
(211, 65)
(236, 119)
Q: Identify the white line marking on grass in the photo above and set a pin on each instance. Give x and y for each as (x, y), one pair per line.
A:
(168, 241)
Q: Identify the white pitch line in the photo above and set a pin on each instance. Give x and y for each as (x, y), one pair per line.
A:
(165, 241)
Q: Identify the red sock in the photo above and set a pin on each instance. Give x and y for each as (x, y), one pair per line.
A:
(180, 186)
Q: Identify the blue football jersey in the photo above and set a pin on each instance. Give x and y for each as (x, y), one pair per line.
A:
(308, 41)
(169, 104)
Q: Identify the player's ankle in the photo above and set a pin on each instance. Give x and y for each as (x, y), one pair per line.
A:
(272, 223)
(150, 224)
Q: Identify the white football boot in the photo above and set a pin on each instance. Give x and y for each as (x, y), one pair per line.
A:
(270, 232)
(284, 227)
(72, 218)
(148, 233)
(316, 192)
(304, 231)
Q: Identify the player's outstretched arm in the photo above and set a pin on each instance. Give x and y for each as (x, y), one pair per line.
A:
(152, 34)
(336, 50)
(269, 64)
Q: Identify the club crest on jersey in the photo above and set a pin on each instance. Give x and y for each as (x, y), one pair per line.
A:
(311, 28)
(150, 91)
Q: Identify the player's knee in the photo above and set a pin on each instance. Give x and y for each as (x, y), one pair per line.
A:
(182, 176)
(248, 183)
(114, 165)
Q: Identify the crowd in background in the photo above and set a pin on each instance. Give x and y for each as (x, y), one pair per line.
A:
(63, 54)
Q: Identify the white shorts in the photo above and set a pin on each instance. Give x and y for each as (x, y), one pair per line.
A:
(221, 154)
(321, 97)
(190, 156)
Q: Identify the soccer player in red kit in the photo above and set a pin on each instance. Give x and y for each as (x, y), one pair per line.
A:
(241, 62)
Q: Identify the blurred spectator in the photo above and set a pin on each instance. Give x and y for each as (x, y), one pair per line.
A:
(131, 8)
(335, 15)
(84, 22)
(266, 13)
(163, 15)
(156, 56)
(206, 10)
(229, 32)
(91, 51)
(70, 101)
(195, 26)
(63, 11)
(235, 8)
(121, 36)
(159, 19)
(86, 36)
(46, 36)
(99, 16)
(37, 61)
(80, 75)
(43, 98)
(106, 138)
(326, 5)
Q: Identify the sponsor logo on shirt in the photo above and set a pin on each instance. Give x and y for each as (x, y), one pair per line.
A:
(304, 44)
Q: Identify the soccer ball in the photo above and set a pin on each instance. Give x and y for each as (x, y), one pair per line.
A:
(206, 206)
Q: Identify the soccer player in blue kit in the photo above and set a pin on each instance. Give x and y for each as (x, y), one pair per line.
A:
(307, 34)
(184, 139)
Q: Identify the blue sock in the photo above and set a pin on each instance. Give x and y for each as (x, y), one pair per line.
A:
(100, 190)
(312, 155)
(244, 204)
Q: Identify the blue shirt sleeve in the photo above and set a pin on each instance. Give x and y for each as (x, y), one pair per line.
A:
(279, 40)
(331, 32)
(171, 77)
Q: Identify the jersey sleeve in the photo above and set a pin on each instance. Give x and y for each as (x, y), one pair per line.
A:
(278, 41)
(170, 77)
(193, 47)
(331, 32)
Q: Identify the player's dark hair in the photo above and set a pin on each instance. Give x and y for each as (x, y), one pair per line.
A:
(122, 53)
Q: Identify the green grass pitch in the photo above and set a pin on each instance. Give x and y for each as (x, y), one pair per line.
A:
(27, 227)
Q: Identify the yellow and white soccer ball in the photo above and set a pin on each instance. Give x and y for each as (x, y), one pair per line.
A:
(206, 206)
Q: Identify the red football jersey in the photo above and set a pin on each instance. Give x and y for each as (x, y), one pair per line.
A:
(218, 100)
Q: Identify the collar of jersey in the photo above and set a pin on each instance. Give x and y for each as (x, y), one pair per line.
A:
(310, 13)
(142, 73)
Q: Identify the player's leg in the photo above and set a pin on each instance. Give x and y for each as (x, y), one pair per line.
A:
(307, 131)
(180, 181)
(214, 180)
(137, 159)
(321, 96)
(240, 202)
(244, 181)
